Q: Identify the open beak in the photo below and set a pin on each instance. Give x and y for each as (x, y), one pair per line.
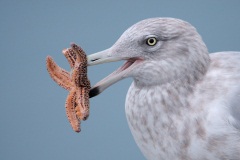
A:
(121, 73)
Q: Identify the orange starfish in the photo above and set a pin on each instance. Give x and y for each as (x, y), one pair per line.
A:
(76, 82)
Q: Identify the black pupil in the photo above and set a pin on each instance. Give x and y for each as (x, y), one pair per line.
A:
(151, 40)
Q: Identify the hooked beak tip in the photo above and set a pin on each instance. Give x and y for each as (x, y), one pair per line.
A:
(94, 92)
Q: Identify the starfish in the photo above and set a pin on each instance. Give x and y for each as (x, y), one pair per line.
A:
(76, 82)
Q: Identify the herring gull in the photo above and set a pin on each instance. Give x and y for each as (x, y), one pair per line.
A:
(184, 103)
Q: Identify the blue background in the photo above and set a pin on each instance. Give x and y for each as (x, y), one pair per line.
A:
(33, 124)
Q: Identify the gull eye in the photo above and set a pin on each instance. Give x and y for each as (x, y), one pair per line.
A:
(152, 41)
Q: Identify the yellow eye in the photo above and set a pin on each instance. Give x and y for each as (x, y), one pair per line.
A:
(151, 41)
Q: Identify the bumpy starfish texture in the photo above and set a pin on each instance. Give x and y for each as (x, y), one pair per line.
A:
(76, 82)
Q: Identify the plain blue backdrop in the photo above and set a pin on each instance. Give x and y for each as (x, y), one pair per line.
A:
(33, 122)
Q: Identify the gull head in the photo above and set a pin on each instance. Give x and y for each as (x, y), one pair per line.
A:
(156, 51)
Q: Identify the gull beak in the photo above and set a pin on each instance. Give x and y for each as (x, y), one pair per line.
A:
(121, 73)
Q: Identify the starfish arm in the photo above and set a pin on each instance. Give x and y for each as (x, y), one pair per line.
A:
(82, 103)
(70, 110)
(70, 56)
(80, 79)
(59, 75)
(80, 54)
(79, 75)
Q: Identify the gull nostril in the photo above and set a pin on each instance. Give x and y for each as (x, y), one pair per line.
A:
(93, 60)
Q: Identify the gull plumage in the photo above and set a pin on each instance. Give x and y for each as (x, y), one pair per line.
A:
(184, 103)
